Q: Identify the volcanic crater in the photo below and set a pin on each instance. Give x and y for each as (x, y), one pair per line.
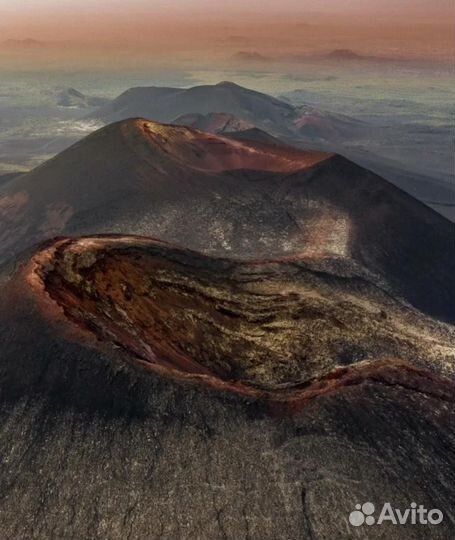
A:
(275, 330)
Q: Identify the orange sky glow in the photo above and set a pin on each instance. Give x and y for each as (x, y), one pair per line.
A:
(416, 28)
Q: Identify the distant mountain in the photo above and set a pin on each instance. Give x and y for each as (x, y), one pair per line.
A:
(251, 56)
(349, 55)
(27, 43)
(72, 98)
(213, 107)
(23, 42)
(166, 104)
(240, 198)
(344, 54)
(341, 55)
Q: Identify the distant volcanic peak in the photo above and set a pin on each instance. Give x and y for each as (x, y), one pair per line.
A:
(212, 153)
(251, 56)
(70, 97)
(70, 93)
(230, 84)
(345, 54)
(246, 328)
(166, 104)
(28, 42)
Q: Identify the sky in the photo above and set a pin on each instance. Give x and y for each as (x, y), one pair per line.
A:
(420, 28)
(25, 9)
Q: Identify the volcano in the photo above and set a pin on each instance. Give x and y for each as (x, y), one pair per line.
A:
(238, 361)
(227, 107)
(242, 199)
(211, 107)
(163, 104)
(138, 177)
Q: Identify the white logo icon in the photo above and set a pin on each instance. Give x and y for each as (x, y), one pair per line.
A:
(362, 514)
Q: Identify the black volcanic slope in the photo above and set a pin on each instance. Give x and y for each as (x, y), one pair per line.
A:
(242, 199)
(148, 391)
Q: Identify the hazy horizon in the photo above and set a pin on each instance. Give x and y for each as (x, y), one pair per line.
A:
(88, 34)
